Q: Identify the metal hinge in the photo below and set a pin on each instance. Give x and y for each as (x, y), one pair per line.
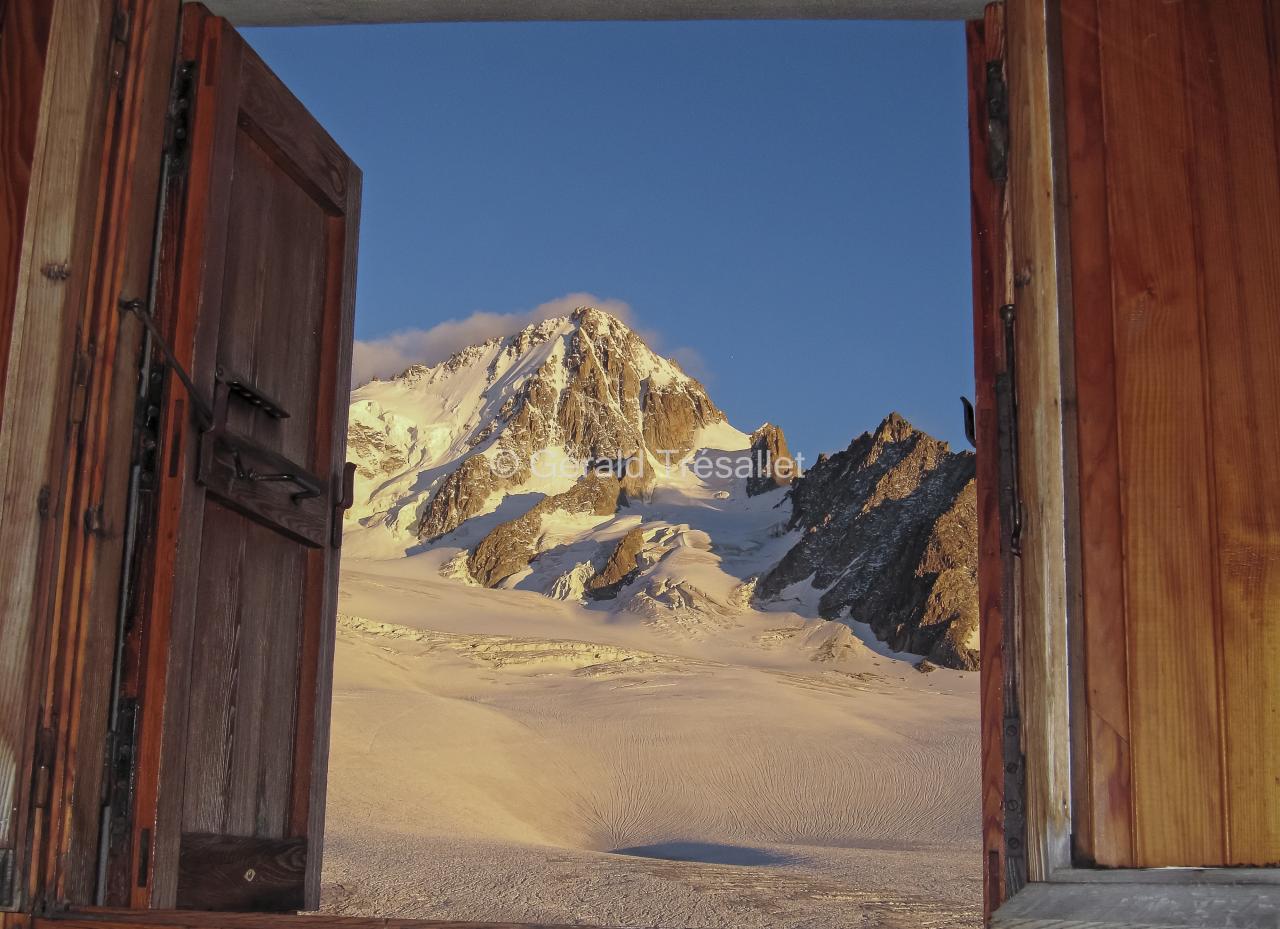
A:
(81, 369)
(1007, 419)
(1015, 814)
(181, 95)
(997, 122)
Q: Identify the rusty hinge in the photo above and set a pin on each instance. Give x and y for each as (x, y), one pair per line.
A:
(181, 97)
(1014, 803)
(1007, 423)
(997, 122)
(81, 369)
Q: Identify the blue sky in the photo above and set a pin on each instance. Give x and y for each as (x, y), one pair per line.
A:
(783, 206)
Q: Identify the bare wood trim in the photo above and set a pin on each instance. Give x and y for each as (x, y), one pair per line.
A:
(24, 43)
(1139, 906)
(34, 434)
(1045, 396)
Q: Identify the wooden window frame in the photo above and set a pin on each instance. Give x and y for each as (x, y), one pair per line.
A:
(101, 227)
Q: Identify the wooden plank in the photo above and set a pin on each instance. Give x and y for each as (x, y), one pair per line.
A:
(102, 462)
(247, 874)
(195, 272)
(311, 747)
(1046, 453)
(1164, 421)
(1236, 179)
(38, 420)
(1140, 906)
(24, 42)
(992, 289)
(265, 290)
(310, 156)
(1103, 795)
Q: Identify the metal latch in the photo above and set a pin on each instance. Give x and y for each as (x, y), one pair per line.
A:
(201, 406)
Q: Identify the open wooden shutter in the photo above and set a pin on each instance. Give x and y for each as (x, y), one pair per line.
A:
(229, 663)
(1173, 124)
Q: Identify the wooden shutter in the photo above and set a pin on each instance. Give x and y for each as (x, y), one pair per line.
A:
(230, 659)
(1173, 122)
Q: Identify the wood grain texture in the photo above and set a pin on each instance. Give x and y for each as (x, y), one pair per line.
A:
(24, 39)
(992, 288)
(1163, 442)
(1103, 796)
(263, 288)
(191, 283)
(1172, 118)
(101, 463)
(24, 42)
(1046, 456)
(42, 409)
(258, 875)
(1236, 183)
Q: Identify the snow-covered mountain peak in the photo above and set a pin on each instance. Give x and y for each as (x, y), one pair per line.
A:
(439, 444)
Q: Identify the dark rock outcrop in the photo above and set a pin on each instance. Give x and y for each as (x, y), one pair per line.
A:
(621, 569)
(890, 532)
(771, 461)
(510, 546)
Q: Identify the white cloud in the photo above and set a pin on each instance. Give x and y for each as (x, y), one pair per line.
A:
(388, 356)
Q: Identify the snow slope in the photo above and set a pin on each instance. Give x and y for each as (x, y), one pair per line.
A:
(678, 755)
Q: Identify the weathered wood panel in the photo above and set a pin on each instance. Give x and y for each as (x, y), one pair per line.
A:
(1175, 183)
(243, 602)
(24, 42)
(43, 406)
(24, 39)
(1045, 393)
(102, 464)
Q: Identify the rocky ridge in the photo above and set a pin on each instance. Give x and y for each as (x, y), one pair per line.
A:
(883, 532)
(889, 535)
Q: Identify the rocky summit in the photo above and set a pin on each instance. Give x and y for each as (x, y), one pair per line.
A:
(572, 460)
(889, 534)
